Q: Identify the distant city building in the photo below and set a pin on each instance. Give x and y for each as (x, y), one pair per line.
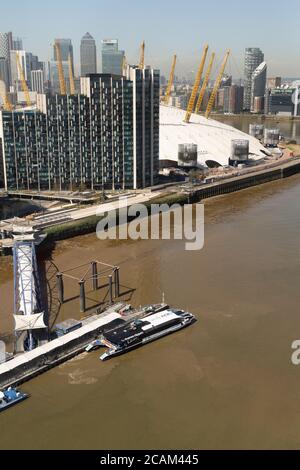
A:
(88, 55)
(37, 81)
(105, 138)
(280, 101)
(6, 44)
(253, 58)
(4, 71)
(66, 49)
(274, 83)
(234, 99)
(226, 81)
(25, 61)
(17, 44)
(258, 88)
(112, 58)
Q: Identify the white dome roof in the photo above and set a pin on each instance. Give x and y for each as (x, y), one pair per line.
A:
(212, 137)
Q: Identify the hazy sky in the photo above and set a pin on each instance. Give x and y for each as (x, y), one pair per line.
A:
(168, 27)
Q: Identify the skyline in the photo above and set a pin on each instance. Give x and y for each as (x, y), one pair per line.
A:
(131, 24)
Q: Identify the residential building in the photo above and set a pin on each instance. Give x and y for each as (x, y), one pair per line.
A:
(105, 138)
(258, 87)
(112, 58)
(253, 58)
(88, 55)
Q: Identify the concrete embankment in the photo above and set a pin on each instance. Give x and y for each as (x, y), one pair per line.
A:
(220, 187)
(31, 364)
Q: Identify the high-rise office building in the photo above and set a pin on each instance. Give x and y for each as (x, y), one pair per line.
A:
(4, 75)
(17, 44)
(253, 58)
(6, 44)
(105, 138)
(88, 55)
(258, 88)
(37, 81)
(112, 58)
(66, 50)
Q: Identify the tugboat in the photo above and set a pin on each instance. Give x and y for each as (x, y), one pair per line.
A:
(10, 397)
(139, 332)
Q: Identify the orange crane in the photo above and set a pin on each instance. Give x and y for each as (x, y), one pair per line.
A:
(71, 76)
(60, 69)
(217, 85)
(193, 97)
(23, 81)
(204, 86)
(171, 80)
(142, 58)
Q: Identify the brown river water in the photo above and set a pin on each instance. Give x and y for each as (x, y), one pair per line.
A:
(226, 382)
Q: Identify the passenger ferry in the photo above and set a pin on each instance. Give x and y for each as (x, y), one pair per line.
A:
(132, 335)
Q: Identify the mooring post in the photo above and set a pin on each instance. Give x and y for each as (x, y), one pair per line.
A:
(117, 281)
(82, 296)
(60, 287)
(95, 275)
(111, 295)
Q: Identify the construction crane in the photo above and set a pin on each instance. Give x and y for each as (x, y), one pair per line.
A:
(217, 85)
(193, 97)
(170, 82)
(205, 83)
(71, 76)
(23, 81)
(142, 58)
(60, 69)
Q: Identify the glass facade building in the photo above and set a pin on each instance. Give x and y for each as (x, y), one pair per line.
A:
(253, 58)
(88, 55)
(112, 58)
(105, 138)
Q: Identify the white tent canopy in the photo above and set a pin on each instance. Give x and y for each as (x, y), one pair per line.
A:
(29, 322)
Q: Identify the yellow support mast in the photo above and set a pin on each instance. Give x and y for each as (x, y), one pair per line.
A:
(170, 82)
(124, 65)
(217, 85)
(60, 69)
(193, 97)
(23, 81)
(6, 103)
(205, 83)
(71, 76)
(142, 58)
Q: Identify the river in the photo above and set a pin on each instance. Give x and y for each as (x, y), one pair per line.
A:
(289, 129)
(226, 382)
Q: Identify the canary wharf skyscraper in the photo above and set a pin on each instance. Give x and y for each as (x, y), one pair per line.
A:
(88, 55)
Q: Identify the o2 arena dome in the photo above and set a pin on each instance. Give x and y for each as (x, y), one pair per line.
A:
(213, 139)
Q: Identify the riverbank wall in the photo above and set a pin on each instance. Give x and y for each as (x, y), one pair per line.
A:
(198, 194)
